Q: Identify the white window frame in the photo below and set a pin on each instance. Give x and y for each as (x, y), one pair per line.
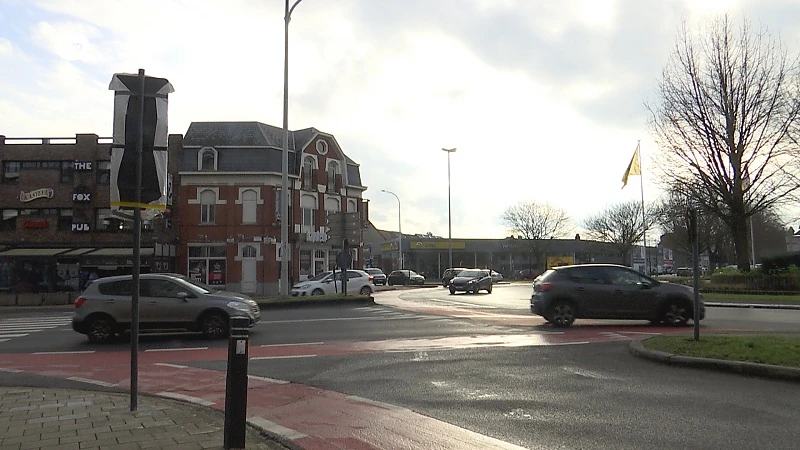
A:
(201, 154)
(254, 205)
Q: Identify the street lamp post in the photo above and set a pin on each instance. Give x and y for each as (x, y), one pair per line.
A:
(449, 219)
(284, 285)
(399, 229)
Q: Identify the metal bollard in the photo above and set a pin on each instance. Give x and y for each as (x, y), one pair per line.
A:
(236, 384)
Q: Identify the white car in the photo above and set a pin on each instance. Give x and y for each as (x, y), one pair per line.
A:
(496, 276)
(358, 282)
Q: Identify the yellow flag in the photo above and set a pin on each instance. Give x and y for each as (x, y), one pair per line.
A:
(634, 167)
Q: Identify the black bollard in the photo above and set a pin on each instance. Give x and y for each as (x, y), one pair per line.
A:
(236, 384)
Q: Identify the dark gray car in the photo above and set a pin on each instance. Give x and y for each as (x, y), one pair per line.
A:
(471, 280)
(166, 302)
(608, 291)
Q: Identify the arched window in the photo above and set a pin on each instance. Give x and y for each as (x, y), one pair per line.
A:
(207, 159)
(208, 202)
(308, 174)
(334, 177)
(249, 203)
(249, 251)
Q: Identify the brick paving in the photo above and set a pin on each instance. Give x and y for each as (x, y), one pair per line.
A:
(64, 419)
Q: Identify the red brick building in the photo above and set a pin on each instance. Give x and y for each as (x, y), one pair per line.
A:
(56, 228)
(230, 178)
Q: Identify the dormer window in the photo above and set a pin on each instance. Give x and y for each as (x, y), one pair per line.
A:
(207, 160)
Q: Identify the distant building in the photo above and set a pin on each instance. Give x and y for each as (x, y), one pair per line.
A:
(57, 230)
(230, 180)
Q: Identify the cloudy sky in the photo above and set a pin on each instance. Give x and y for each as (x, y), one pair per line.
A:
(544, 100)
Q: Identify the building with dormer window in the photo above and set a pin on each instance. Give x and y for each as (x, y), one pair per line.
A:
(230, 181)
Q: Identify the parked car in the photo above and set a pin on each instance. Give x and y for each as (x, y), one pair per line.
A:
(608, 291)
(327, 283)
(405, 277)
(472, 280)
(378, 277)
(166, 302)
(496, 277)
(450, 273)
(526, 274)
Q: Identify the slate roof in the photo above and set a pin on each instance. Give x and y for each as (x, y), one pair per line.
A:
(237, 134)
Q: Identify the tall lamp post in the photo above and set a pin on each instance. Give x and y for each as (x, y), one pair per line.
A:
(399, 229)
(284, 287)
(449, 219)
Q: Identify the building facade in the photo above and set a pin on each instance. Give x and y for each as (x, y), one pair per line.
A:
(230, 182)
(57, 231)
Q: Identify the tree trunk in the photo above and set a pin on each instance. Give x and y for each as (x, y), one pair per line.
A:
(741, 244)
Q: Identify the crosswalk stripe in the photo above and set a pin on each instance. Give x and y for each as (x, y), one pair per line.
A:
(23, 326)
(4, 335)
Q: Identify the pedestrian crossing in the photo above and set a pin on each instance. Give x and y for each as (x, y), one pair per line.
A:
(17, 327)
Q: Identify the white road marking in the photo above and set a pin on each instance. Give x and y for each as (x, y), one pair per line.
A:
(377, 403)
(3, 369)
(275, 428)
(283, 357)
(287, 345)
(86, 380)
(82, 352)
(176, 366)
(268, 380)
(4, 335)
(333, 319)
(175, 349)
(187, 398)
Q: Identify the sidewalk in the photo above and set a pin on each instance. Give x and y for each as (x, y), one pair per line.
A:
(36, 418)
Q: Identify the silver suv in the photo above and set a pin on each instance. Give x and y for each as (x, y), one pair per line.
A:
(166, 302)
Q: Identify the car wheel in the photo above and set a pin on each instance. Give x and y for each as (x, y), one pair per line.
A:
(452, 290)
(365, 290)
(675, 314)
(214, 326)
(562, 314)
(317, 292)
(100, 330)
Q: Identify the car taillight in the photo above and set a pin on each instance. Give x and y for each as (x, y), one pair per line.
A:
(79, 302)
(542, 287)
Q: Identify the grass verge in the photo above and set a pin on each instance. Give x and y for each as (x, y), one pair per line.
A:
(752, 298)
(773, 349)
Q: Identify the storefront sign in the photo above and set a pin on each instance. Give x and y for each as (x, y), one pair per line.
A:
(80, 227)
(33, 195)
(439, 245)
(28, 223)
(82, 165)
(82, 197)
(316, 236)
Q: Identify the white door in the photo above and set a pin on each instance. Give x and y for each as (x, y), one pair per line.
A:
(249, 261)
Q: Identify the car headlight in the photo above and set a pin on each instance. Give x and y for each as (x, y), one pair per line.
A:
(239, 306)
(471, 282)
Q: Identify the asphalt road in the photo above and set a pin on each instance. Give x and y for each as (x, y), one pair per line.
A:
(535, 395)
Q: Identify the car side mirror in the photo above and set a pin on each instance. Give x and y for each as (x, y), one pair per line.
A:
(185, 296)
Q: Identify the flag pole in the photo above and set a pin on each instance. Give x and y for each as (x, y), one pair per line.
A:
(644, 220)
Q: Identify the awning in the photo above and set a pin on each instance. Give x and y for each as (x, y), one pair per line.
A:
(77, 251)
(128, 251)
(33, 251)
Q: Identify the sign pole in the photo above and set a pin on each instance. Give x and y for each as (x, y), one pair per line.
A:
(137, 240)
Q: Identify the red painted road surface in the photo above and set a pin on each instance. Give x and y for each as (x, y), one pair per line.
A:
(314, 418)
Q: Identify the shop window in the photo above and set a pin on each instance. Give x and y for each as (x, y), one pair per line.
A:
(11, 172)
(104, 172)
(9, 222)
(208, 202)
(249, 203)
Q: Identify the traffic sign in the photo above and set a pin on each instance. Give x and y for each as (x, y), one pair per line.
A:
(351, 220)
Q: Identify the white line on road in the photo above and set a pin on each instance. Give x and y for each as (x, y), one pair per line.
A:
(3, 369)
(176, 366)
(333, 319)
(3, 335)
(187, 398)
(268, 380)
(175, 349)
(86, 380)
(283, 357)
(273, 427)
(287, 345)
(82, 352)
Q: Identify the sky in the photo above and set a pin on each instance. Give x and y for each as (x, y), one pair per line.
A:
(543, 100)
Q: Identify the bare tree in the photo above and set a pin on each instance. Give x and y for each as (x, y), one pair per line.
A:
(537, 223)
(727, 124)
(620, 225)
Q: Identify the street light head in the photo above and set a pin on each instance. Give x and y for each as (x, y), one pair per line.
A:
(449, 150)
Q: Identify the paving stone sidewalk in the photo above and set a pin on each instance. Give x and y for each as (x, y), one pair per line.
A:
(65, 419)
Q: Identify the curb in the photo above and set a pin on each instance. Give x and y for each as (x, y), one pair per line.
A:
(750, 305)
(311, 303)
(638, 349)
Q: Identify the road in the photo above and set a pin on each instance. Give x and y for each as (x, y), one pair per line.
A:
(484, 363)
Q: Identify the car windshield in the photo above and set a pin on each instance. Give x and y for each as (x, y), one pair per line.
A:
(320, 276)
(470, 273)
